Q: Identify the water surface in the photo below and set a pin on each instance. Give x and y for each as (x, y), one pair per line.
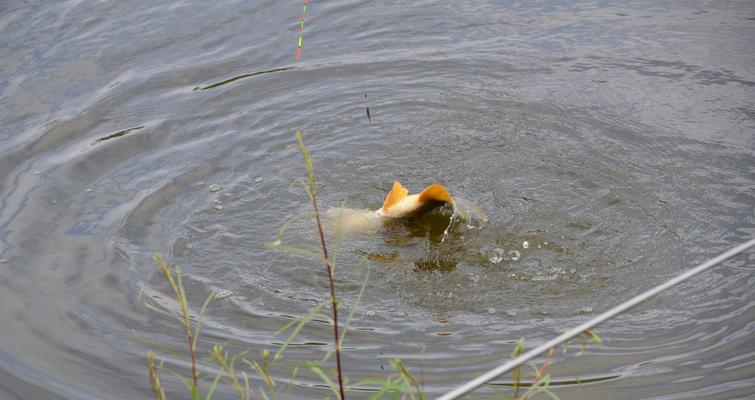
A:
(616, 140)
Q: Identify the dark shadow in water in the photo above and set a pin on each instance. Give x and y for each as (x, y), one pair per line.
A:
(118, 134)
(522, 384)
(445, 246)
(235, 78)
(565, 382)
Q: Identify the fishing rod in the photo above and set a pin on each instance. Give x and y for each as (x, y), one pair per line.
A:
(570, 334)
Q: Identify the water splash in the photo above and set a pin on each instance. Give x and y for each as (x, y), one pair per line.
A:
(468, 213)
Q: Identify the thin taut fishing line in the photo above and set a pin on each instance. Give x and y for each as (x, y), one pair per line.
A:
(576, 331)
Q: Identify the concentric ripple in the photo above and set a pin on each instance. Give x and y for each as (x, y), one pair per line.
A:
(610, 145)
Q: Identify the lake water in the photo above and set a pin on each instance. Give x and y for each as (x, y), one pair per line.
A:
(617, 139)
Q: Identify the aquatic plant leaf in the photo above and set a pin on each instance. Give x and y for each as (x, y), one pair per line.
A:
(207, 301)
(306, 317)
(325, 378)
(211, 390)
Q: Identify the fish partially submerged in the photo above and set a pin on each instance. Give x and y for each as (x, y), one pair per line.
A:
(399, 204)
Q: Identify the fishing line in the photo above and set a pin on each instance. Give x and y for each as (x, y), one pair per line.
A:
(574, 332)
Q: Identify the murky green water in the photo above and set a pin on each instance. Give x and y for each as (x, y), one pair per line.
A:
(616, 140)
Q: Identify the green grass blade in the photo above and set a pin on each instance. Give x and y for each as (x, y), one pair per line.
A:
(304, 319)
(295, 250)
(157, 346)
(325, 378)
(201, 316)
(214, 384)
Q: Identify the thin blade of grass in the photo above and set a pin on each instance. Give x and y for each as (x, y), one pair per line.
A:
(407, 377)
(337, 239)
(517, 372)
(351, 313)
(308, 163)
(306, 317)
(162, 311)
(282, 230)
(214, 384)
(207, 301)
(247, 388)
(291, 382)
(325, 378)
(294, 250)
(157, 346)
(154, 377)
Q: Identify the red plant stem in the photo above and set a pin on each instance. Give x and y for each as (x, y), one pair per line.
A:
(192, 351)
(546, 364)
(332, 295)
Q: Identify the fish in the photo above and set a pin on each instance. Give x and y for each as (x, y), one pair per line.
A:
(400, 205)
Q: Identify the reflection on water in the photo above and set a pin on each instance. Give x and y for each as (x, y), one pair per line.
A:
(242, 76)
(119, 134)
(610, 145)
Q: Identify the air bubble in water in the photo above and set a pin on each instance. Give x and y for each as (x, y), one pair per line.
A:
(497, 256)
(515, 255)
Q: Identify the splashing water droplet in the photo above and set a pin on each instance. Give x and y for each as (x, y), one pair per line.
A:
(497, 256)
(515, 255)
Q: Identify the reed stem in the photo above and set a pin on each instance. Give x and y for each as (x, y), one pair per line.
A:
(312, 190)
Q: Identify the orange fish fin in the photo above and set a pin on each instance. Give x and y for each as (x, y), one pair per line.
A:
(397, 194)
(435, 192)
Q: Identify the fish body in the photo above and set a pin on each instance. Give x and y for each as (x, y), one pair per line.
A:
(400, 204)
